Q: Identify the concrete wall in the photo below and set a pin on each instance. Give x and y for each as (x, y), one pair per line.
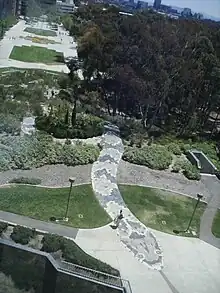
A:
(201, 161)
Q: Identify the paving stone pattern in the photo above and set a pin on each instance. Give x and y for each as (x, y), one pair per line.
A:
(133, 234)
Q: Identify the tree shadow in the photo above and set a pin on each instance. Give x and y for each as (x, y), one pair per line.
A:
(59, 58)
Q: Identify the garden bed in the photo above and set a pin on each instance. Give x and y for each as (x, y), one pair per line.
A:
(40, 32)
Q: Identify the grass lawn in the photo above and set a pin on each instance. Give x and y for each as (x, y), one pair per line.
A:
(162, 210)
(40, 32)
(36, 54)
(216, 225)
(43, 203)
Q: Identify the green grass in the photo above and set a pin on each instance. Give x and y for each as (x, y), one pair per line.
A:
(41, 32)
(36, 54)
(216, 225)
(162, 210)
(43, 203)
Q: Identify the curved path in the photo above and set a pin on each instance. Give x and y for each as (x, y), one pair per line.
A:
(209, 214)
(133, 234)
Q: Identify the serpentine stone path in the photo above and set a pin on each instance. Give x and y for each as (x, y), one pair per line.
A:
(133, 234)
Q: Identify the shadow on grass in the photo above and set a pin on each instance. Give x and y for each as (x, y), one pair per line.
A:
(59, 58)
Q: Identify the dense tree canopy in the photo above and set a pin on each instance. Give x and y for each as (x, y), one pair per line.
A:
(163, 71)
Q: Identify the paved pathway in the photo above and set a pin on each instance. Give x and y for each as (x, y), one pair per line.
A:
(208, 216)
(44, 227)
(133, 234)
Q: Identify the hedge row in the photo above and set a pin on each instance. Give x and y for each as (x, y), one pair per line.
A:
(22, 234)
(154, 156)
(38, 150)
(188, 170)
(26, 180)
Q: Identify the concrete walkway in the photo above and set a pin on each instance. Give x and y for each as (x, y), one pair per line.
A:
(190, 265)
(44, 227)
(208, 216)
(133, 234)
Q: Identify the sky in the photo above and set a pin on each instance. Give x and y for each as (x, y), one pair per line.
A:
(211, 7)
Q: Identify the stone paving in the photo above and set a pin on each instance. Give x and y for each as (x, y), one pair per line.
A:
(133, 234)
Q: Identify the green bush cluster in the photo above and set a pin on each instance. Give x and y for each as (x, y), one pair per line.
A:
(191, 172)
(179, 165)
(26, 180)
(174, 148)
(86, 126)
(38, 150)
(154, 156)
(71, 252)
(3, 227)
(22, 234)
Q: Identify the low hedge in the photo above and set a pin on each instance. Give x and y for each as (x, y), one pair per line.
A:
(154, 156)
(174, 148)
(71, 252)
(3, 227)
(191, 172)
(22, 234)
(26, 180)
(39, 149)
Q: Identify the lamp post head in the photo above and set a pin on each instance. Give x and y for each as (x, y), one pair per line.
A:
(199, 196)
(72, 179)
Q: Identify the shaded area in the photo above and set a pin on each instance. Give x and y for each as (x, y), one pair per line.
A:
(36, 55)
(44, 203)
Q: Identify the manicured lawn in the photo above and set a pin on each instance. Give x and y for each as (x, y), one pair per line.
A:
(36, 54)
(216, 225)
(162, 210)
(43, 203)
(40, 32)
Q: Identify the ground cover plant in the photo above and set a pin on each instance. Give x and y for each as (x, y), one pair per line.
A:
(39, 149)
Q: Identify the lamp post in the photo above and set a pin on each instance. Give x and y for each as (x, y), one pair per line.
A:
(71, 180)
(199, 197)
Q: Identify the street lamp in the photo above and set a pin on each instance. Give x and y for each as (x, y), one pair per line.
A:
(199, 197)
(71, 180)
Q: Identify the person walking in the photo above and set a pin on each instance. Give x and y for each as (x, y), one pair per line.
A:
(118, 219)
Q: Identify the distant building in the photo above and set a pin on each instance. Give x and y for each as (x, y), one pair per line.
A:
(66, 7)
(12, 7)
(157, 4)
(165, 8)
(186, 12)
(141, 5)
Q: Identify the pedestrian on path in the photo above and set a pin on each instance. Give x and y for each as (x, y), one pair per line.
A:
(117, 219)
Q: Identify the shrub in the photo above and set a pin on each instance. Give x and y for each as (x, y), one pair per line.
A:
(38, 150)
(79, 155)
(26, 180)
(154, 156)
(174, 148)
(3, 227)
(191, 172)
(86, 126)
(74, 254)
(22, 234)
(179, 165)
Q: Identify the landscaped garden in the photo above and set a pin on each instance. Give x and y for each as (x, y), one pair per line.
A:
(162, 210)
(36, 54)
(39, 40)
(44, 203)
(38, 150)
(40, 32)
